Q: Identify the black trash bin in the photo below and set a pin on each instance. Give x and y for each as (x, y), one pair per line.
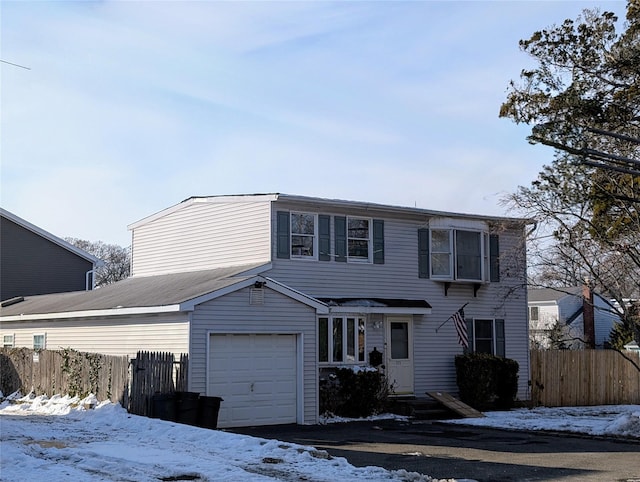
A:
(187, 407)
(208, 412)
(164, 406)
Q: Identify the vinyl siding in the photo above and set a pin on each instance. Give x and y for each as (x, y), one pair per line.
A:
(203, 236)
(398, 277)
(33, 265)
(109, 336)
(232, 313)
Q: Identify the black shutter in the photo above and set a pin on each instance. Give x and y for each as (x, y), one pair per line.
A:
(283, 250)
(470, 335)
(500, 344)
(340, 251)
(378, 241)
(423, 253)
(324, 234)
(494, 258)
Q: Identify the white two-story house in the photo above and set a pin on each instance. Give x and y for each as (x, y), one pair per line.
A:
(266, 291)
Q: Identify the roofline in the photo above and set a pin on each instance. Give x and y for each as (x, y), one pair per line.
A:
(396, 209)
(143, 310)
(270, 283)
(202, 200)
(367, 206)
(51, 237)
(185, 306)
(365, 310)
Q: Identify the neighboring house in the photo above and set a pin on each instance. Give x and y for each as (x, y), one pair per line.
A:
(266, 292)
(35, 262)
(564, 309)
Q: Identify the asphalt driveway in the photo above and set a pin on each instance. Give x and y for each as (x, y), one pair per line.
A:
(448, 451)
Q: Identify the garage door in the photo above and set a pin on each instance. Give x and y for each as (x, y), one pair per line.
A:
(256, 377)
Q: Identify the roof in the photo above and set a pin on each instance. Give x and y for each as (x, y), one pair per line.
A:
(552, 294)
(316, 202)
(155, 293)
(50, 237)
(378, 305)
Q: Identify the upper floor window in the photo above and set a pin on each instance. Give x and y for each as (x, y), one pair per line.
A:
(39, 342)
(458, 255)
(359, 239)
(324, 237)
(303, 235)
(534, 313)
(341, 339)
(8, 341)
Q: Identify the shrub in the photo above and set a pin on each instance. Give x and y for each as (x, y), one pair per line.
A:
(353, 393)
(486, 381)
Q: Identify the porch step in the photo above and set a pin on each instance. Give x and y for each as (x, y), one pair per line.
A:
(420, 408)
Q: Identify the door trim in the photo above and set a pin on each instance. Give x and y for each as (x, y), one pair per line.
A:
(407, 367)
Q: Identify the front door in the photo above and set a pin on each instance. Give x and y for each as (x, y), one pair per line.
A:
(399, 354)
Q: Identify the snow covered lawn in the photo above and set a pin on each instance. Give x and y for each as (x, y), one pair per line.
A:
(59, 439)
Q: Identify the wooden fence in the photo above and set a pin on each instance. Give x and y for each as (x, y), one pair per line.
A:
(154, 373)
(569, 378)
(66, 372)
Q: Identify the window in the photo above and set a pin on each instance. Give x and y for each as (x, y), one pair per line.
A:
(303, 235)
(358, 239)
(486, 336)
(458, 254)
(341, 339)
(534, 313)
(8, 341)
(39, 342)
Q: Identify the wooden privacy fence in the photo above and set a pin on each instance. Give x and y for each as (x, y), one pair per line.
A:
(569, 378)
(67, 372)
(154, 373)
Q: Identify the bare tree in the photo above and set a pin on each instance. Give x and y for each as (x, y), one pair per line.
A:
(116, 258)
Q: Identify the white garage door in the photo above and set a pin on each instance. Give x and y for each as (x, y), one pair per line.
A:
(256, 377)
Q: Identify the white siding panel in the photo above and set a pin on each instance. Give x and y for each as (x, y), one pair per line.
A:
(434, 352)
(203, 236)
(109, 336)
(232, 313)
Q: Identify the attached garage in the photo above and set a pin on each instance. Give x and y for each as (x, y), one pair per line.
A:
(257, 377)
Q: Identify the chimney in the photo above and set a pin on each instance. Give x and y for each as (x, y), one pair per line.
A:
(588, 316)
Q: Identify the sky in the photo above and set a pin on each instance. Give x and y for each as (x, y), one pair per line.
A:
(114, 111)
(58, 439)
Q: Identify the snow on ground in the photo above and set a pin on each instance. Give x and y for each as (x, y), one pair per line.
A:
(608, 420)
(61, 439)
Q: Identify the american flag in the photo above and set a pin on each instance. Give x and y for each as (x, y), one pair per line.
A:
(461, 327)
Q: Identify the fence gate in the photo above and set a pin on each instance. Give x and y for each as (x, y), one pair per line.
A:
(152, 373)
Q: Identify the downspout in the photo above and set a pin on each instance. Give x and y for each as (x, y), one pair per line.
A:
(89, 274)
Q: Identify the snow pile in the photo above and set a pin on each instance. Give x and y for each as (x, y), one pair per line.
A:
(608, 420)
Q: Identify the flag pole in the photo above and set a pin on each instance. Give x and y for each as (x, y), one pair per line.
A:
(442, 324)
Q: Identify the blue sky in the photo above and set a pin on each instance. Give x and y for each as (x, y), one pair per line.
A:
(131, 107)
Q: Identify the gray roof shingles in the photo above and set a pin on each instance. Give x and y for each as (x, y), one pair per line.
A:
(135, 292)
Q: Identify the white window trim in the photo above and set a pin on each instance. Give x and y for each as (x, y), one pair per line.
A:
(315, 236)
(13, 340)
(330, 361)
(494, 337)
(453, 255)
(44, 337)
(354, 259)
